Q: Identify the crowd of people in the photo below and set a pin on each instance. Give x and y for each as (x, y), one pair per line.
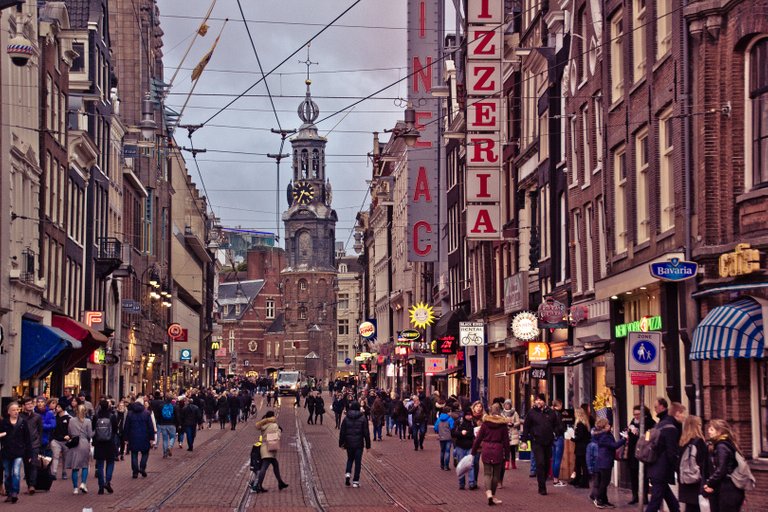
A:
(58, 438)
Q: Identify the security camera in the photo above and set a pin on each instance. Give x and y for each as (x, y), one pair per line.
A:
(20, 50)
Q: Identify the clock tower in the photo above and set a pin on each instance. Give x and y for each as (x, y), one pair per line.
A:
(309, 279)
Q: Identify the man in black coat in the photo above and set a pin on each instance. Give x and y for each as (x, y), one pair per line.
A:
(234, 408)
(353, 436)
(35, 425)
(309, 405)
(539, 429)
(661, 472)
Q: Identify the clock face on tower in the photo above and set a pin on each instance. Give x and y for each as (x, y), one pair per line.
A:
(303, 192)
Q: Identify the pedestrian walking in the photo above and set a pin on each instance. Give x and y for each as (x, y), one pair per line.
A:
(140, 433)
(59, 441)
(47, 411)
(167, 417)
(269, 429)
(633, 431)
(209, 403)
(539, 429)
(443, 428)
(581, 438)
(16, 448)
(606, 450)
(319, 408)
(222, 409)
(513, 427)
(418, 423)
(401, 418)
(694, 464)
(190, 416)
(35, 425)
(309, 405)
(234, 408)
(338, 408)
(661, 471)
(353, 437)
(558, 446)
(121, 413)
(492, 442)
(723, 494)
(463, 439)
(79, 454)
(104, 446)
(378, 416)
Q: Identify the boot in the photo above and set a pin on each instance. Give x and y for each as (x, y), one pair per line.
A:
(489, 495)
(513, 464)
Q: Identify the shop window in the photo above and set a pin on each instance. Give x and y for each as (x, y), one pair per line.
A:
(763, 405)
(757, 122)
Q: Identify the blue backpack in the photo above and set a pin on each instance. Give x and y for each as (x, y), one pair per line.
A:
(592, 450)
(167, 412)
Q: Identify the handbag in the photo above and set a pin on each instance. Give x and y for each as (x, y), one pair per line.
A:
(704, 503)
(73, 442)
(622, 452)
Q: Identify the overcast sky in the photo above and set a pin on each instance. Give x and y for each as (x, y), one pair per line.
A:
(358, 55)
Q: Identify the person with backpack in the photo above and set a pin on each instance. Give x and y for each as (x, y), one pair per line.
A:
(728, 473)
(694, 464)
(167, 417)
(603, 466)
(443, 428)
(539, 429)
(633, 431)
(663, 443)
(354, 435)
(104, 447)
(270, 441)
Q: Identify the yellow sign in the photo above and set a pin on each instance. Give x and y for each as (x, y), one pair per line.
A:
(741, 261)
(215, 345)
(422, 315)
(538, 351)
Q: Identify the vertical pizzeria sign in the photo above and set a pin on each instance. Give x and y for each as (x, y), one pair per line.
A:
(484, 110)
(423, 71)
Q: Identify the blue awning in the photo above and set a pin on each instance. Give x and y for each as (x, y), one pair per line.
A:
(732, 330)
(40, 346)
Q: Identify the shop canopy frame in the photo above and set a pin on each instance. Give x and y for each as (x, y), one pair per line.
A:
(594, 346)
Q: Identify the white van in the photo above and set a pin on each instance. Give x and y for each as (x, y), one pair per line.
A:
(288, 382)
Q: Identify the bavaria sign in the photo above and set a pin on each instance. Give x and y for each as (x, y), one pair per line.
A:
(674, 270)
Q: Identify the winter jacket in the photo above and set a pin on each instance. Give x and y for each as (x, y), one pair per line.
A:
(493, 439)
(444, 426)
(354, 431)
(234, 404)
(338, 405)
(689, 493)
(606, 448)
(222, 406)
(139, 428)
(35, 425)
(16, 443)
(378, 411)
(309, 403)
(399, 412)
(540, 426)
(581, 438)
(319, 405)
(157, 410)
(419, 415)
(633, 437)
(664, 467)
(513, 425)
(464, 434)
(722, 461)
(266, 426)
(106, 450)
(62, 428)
(49, 424)
(190, 415)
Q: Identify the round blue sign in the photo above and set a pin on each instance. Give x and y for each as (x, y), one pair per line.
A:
(348, 361)
(644, 352)
(186, 354)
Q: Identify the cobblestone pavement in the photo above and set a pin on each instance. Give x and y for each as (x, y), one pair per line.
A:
(214, 478)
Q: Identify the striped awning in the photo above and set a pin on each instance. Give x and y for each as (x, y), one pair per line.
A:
(732, 330)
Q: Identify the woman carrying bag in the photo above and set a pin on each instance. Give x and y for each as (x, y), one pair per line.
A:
(723, 495)
(693, 464)
(79, 443)
(492, 442)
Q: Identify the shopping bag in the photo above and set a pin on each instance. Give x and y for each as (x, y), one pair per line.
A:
(464, 465)
(703, 503)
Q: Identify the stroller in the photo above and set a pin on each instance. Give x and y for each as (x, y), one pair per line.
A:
(255, 464)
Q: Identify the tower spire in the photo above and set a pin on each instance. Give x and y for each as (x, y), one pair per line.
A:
(308, 109)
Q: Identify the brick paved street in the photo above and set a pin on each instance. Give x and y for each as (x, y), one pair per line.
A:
(214, 478)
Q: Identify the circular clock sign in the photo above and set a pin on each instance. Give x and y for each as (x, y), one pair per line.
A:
(525, 326)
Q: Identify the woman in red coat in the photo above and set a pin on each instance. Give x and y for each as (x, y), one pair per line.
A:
(493, 442)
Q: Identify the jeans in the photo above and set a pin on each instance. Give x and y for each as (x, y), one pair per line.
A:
(168, 433)
(104, 479)
(12, 470)
(557, 457)
(661, 491)
(30, 468)
(476, 465)
(74, 476)
(263, 471)
(460, 453)
(543, 454)
(59, 449)
(354, 455)
(338, 419)
(136, 466)
(191, 431)
(418, 432)
(377, 431)
(602, 481)
(389, 421)
(445, 453)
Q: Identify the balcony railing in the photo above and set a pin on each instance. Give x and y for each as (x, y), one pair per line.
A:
(109, 256)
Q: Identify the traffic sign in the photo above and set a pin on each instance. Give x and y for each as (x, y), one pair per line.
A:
(644, 350)
(347, 361)
(185, 354)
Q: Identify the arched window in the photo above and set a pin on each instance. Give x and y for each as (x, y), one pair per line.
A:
(303, 285)
(757, 78)
(315, 163)
(343, 268)
(304, 163)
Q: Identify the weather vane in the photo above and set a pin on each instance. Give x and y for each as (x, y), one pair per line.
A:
(308, 63)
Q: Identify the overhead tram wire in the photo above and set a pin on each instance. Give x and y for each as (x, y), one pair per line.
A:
(326, 27)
